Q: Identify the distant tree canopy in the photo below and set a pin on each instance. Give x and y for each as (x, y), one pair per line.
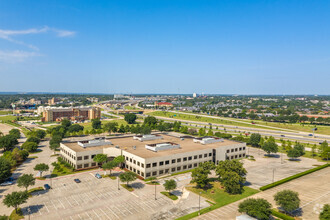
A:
(130, 118)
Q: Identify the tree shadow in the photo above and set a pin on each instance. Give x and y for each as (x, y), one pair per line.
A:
(33, 209)
(272, 155)
(176, 192)
(137, 185)
(247, 183)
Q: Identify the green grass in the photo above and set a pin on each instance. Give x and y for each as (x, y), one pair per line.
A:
(5, 112)
(67, 171)
(108, 116)
(293, 177)
(16, 216)
(169, 195)
(36, 152)
(198, 118)
(130, 107)
(281, 215)
(109, 176)
(152, 183)
(219, 197)
(7, 118)
(88, 126)
(129, 188)
(30, 191)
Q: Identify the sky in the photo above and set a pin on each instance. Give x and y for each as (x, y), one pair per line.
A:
(165, 46)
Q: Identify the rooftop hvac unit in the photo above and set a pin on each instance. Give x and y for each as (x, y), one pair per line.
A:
(117, 146)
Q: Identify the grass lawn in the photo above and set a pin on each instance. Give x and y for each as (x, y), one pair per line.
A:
(198, 118)
(130, 107)
(16, 216)
(7, 118)
(110, 176)
(5, 112)
(169, 195)
(217, 196)
(36, 189)
(129, 188)
(35, 152)
(88, 126)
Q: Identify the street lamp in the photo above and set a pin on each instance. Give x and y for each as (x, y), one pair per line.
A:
(29, 211)
(118, 183)
(273, 174)
(155, 189)
(199, 200)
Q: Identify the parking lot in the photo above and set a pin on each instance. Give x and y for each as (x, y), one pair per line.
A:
(265, 170)
(100, 199)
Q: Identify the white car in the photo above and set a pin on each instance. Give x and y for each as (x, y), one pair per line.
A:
(7, 183)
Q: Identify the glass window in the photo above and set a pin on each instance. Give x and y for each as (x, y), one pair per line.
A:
(167, 162)
(178, 160)
(154, 164)
(161, 163)
(148, 165)
(189, 158)
(173, 161)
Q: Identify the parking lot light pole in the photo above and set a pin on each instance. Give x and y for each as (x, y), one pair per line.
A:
(273, 174)
(118, 183)
(155, 191)
(199, 201)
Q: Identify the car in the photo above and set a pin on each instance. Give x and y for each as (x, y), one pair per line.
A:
(77, 180)
(98, 176)
(47, 187)
(282, 135)
(310, 134)
(7, 183)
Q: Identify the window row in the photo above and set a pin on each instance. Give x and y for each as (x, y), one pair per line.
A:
(172, 170)
(178, 160)
(134, 170)
(86, 157)
(235, 156)
(134, 162)
(86, 165)
(235, 150)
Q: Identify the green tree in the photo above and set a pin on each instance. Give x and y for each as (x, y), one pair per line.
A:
(288, 200)
(255, 139)
(119, 160)
(184, 129)
(4, 169)
(15, 133)
(127, 177)
(150, 120)
(66, 123)
(15, 199)
(30, 146)
(54, 147)
(121, 129)
(293, 153)
(100, 158)
(170, 185)
(25, 181)
(201, 132)
(8, 142)
(4, 217)
(130, 118)
(41, 134)
(96, 123)
(33, 139)
(75, 128)
(270, 146)
(210, 133)
(231, 174)
(258, 208)
(200, 177)
(110, 165)
(41, 167)
(325, 213)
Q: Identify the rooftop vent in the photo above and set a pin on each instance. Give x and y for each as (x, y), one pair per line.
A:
(208, 140)
(162, 146)
(147, 137)
(93, 143)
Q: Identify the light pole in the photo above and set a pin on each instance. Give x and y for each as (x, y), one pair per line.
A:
(273, 174)
(29, 211)
(51, 179)
(118, 183)
(281, 157)
(155, 190)
(199, 200)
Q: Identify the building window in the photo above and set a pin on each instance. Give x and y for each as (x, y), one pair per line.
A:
(205, 155)
(243, 148)
(195, 164)
(138, 172)
(185, 159)
(232, 150)
(189, 158)
(210, 154)
(161, 163)
(86, 157)
(243, 155)
(142, 165)
(173, 169)
(134, 170)
(184, 167)
(167, 162)
(126, 158)
(236, 149)
(166, 170)
(134, 161)
(154, 173)
(240, 148)
(195, 157)
(154, 164)
(138, 163)
(161, 172)
(130, 160)
(79, 166)
(148, 165)
(86, 165)
(228, 151)
(178, 168)
(142, 174)
(93, 164)
(200, 156)
(173, 161)
(79, 158)
(235, 156)
(189, 166)
(178, 160)
(93, 156)
(232, 157)
(147, 174)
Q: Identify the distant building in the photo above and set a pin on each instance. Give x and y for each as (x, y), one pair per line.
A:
(194, 95)
(153, 155)
(74, 113)
(52, 101)
(163, 104)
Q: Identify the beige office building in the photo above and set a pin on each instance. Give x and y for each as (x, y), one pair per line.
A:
(153, 155)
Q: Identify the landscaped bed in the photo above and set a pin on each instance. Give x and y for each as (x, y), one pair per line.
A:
(169, 195)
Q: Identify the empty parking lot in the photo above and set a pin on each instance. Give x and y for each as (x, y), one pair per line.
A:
(100, 199)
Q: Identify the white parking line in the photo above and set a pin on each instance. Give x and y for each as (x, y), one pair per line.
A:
(96, 214)
(112, 212)
(46, 207)
(105, 213)
(79, 216)
(61, 203)
(53, 204)
(68, 202)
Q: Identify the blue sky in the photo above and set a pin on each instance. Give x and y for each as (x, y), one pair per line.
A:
(181, 46)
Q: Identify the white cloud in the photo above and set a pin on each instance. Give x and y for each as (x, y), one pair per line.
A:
(16, 56)
(9, 34)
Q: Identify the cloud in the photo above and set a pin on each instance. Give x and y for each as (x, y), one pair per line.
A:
(9, 34)
(16, 56)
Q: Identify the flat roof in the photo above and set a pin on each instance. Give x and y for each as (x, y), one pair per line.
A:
(127, 143)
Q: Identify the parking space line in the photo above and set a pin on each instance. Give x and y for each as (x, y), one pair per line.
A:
(112, 212)
(105, 213)
(79, 216)
(68, 202)
(61, 203)
(119, 210)
(96, 214)
(46, 207)
(53, 204)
